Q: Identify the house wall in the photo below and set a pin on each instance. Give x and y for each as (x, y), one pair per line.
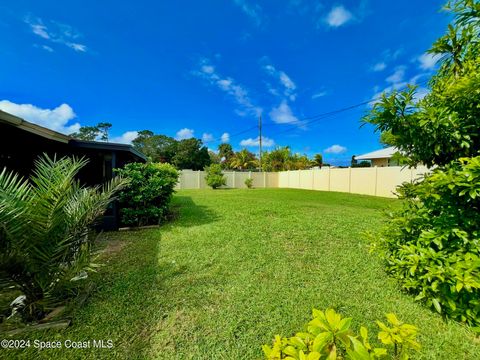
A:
(380, 162)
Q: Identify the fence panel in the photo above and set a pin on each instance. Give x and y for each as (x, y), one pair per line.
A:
(376, 181)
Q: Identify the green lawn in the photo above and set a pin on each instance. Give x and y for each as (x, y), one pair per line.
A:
(237, 267)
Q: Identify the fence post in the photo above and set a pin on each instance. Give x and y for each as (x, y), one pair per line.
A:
(198, 179)
(350, 179)
(313, 179)
(376, 179)
(264, 179)
(329, 170)
(233, 179)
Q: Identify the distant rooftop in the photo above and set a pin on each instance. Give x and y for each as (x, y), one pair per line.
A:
(386, 153)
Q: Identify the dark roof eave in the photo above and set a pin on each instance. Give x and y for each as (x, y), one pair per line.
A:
(107, 146)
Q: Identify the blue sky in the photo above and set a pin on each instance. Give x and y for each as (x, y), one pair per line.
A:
(210, 68)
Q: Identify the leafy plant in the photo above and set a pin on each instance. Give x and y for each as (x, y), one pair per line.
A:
(249, 183)
(329, 336)
(432, 245)
(243, 160)
(46, 241)
(214, 177)
(146, 199)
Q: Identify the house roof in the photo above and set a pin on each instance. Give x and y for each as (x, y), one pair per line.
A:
(386, 153)
(33, 128)
(56, 136)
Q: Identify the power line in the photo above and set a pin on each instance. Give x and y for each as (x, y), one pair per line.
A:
(312, 119)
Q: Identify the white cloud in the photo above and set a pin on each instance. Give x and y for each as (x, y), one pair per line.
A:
(56, 33)
(40, 30)
(397, 76)
(206, 137)
(288, 84)
(56, 119)
(379, 66)
(225, 137)
(266, 142)
(286, 81)
(335, 149)
(184, 133)
(428, 61)
(338, 16)
(47, 48)
(77, 47)
(126, 138)
(252, 10)
(228, 85)
(282, 114)
(319, 94)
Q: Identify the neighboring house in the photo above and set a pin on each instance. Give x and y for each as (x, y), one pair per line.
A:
(21, 142)
(380, 158)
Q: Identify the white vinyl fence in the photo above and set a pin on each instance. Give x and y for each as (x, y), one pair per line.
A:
(376, 181)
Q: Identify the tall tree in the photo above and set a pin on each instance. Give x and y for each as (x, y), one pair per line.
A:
(158, 148)
(191, 154)
(92, 133)
(87, 133)
(318, 160)
(103, 129)
(226, 153)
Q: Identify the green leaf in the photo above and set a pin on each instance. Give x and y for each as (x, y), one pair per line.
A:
(437, 305)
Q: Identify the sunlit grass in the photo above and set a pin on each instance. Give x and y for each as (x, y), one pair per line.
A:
(237, 267)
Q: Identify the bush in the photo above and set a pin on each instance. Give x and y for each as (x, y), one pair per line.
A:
(328, 336)
(214, 177)
(249, 183)
(433, 243)
(146, 200)
(46, 238)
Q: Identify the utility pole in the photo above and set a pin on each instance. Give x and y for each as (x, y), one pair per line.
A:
(260, 140)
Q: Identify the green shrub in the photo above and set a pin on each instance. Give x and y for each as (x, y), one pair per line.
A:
(249, 183)
(146, 200)
(433, 243)
(46, 238)
(328, 336)
(214, 177)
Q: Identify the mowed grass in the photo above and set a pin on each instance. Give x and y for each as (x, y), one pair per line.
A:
(237, 267)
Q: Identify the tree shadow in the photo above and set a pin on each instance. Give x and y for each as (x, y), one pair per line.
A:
(185, 212)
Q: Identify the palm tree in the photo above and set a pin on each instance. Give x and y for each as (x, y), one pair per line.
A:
(46, 238)
(243, 160)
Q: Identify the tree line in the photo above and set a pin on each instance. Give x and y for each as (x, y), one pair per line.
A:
(193, 154)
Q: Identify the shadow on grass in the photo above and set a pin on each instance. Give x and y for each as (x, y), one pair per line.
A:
(187, 213)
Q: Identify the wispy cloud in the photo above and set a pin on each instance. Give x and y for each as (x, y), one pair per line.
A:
(319, 94)
(225, 137)
(266, 142)
(338, 16)
(253, 11)
(286, 82)
(58, 119)
(335, 149)
(228, 85)
(397, 76)
(184, 133)
(380, 66)
(388, 56)
(282, 114)
(398, 81)
(428, 61)
(56, 33)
